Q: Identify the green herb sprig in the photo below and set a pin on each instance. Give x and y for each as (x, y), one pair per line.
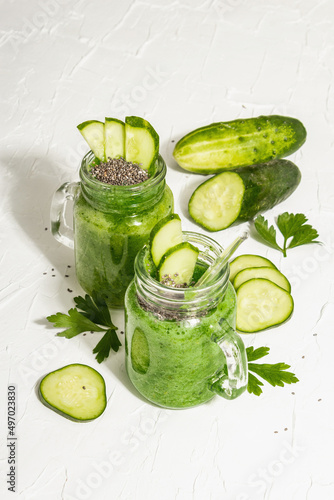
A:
(275, 375)
(90, 313)
(291, 226)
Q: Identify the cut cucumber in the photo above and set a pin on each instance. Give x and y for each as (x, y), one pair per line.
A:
(239, 195)
(248, 260)
(217, 202)
(166, 234)
(93, 133)
(268, 273)
(75, 391)
(223, 145)
(140, 353)
(114, 138)
(179, 263)
(141, 142)
(262, 305)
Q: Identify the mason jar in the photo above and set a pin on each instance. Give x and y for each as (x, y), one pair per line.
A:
(181, 344)
(110, 225)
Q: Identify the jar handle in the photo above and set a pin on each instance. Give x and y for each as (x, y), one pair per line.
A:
(59, 227)
(232, 381)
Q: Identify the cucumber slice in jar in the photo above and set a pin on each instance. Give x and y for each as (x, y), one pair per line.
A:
(216, 203)
(76, 391)
(178, 263)
(114, 138)
(248, 260)
(93, 133)
(268, 273)
(141, 142)
(166, 234)
(262, 304)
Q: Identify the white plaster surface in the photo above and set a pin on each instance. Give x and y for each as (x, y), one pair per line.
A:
(181, 64)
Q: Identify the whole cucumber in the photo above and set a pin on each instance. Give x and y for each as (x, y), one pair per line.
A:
(239, 194)
(225, 145)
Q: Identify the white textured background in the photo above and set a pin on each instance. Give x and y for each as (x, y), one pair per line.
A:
(180, 64)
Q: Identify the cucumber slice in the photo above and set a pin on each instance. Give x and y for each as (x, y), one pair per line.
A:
(179, 263)
(141, 142)
(216, 203)
(166, 234)
(262, 305)
(114, 138)
(93, 133)
(75, 391)
(248, 260)
(268, 273)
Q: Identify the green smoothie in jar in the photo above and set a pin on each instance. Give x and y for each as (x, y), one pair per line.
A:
(111, 223)
(181, 346)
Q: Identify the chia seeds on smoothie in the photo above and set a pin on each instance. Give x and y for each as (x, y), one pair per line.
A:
(119, 172)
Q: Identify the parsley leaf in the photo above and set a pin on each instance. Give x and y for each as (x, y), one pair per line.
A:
(109, 341)
(275, 374)
(254, 384)
(74, 323)
(95, 309)
(288, 224)
(268, 233)
(254, 354)
(291, 226)
(94, 312)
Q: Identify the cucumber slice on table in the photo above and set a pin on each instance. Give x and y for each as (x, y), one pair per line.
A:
(248, 260)
(114, 138)
(75, 391)
(141, 142)
(93, 133)
(262, 305)
(179, 263)
(238, 195)
(166, 234)
(268, 273)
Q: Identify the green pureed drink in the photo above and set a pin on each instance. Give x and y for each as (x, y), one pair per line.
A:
(111, 224)
(181, 346)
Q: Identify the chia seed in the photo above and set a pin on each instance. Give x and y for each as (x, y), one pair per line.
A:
(168, 280)
(119, 172)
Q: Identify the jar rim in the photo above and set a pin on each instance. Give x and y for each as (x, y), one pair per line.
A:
(191, 299)
(132, 189)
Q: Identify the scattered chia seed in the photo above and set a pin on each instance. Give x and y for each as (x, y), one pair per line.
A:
(67, 275)
(119, 172)
(53, 275)
(68, 266)
(45, 229)
(69, 290)
(44, 273)
(52, 269)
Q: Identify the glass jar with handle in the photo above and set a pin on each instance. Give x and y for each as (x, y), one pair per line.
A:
(110, 225)
(181, 344)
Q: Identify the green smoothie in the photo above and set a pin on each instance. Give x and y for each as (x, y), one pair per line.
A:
(106, 245)
(111, 224)
(172, 362)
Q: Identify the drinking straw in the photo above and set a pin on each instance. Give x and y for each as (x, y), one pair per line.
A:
(220, 262)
